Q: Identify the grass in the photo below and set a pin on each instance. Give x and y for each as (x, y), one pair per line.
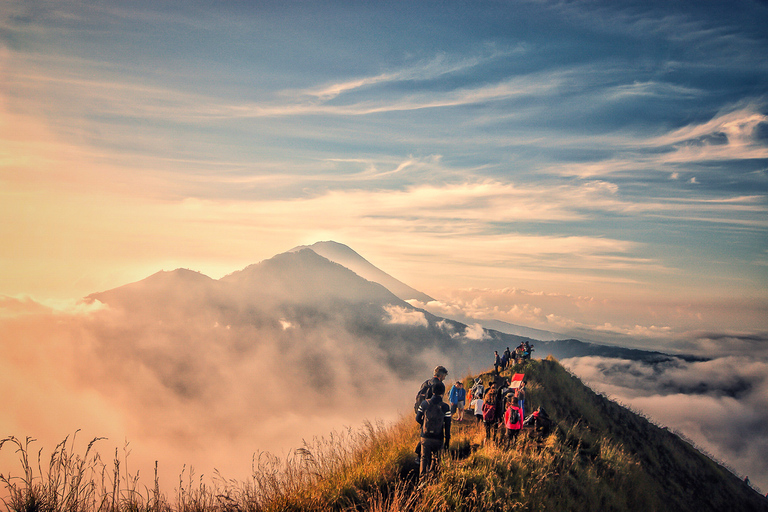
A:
(600, 457)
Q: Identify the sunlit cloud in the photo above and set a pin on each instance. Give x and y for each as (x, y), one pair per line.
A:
(405, 316)
(475, 332)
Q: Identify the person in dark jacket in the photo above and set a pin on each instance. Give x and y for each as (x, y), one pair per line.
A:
(432, 442)
(425, 391)
(506, 358)
(540, 422)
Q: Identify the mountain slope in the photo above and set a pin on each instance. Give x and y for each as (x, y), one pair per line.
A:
(304, 276)
(599, 456)
(640, 466)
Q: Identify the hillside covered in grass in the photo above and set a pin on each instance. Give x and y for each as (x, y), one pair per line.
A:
(601, 456)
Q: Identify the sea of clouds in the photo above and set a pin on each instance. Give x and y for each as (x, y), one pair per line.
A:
(188, 391)
(721, 405)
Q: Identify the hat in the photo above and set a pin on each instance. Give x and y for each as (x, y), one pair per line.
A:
(438, 388)
(440, 369)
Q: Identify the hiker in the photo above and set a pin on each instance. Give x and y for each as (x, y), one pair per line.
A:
(477, 404)
(490, 412)
(513, 420)
(496, 361)
(477, 390)
(434, 416)
(520, 353)
(425, 392)
(540, 422)
(527, 350)
(507, 358)
(504, 387)
(520, 394)
(457, 397)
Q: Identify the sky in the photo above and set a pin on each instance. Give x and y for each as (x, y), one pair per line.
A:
(597, 169)
(585, 151)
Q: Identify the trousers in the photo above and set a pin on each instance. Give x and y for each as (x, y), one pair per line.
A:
(430, 448)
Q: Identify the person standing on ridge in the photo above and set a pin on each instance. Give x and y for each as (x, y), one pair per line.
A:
(477, 390)
(434, 416)
(477, 404)
(453, 398)
(513, 420)
(490, 413)
(506, 358)
(458, 401)
(520, 394)
(425, 392)
(496, 361)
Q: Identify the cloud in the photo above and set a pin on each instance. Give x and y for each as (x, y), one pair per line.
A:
(721, 404)
(405, 316)
(186, 389)
(475, 332)
(440, 65)
(641, 321)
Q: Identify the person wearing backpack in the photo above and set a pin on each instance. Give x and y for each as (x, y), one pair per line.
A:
(490, 414)
(477, 390)
(434, 416)
(513, 420)
(425, 391)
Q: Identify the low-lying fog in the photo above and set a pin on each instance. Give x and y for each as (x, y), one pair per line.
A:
(190, 391)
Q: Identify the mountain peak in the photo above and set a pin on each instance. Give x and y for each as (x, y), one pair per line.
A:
(345, 256)
(304, 275)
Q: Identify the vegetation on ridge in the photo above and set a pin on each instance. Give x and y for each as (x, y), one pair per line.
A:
(600, 457)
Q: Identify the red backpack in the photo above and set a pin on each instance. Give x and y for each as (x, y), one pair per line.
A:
(489, 411)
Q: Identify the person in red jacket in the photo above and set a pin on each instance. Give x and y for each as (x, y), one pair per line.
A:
(513, 420)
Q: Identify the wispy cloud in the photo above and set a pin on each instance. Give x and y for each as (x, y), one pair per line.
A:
(439, 66)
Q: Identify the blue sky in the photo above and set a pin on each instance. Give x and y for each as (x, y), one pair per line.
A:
(593, 168)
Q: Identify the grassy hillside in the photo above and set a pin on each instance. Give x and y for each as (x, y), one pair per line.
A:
(601, 457)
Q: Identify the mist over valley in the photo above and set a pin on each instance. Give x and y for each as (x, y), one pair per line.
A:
(193, 371)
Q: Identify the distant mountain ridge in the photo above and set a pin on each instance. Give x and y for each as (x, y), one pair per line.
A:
(304, 289)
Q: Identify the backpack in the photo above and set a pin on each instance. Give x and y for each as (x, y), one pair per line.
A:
(423, 394)
(489, 411)
(434, 419)
(514, 417)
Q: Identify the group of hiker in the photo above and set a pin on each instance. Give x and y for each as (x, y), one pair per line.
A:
(507, 358)
(499, 405)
